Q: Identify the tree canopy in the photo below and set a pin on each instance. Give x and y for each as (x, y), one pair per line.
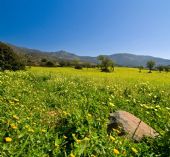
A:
(150, 64)
(105, 63)
(9, 60)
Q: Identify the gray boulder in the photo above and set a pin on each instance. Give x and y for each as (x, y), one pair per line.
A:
(130, 126)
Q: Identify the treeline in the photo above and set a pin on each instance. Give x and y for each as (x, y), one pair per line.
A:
(151, 65)
(161, 68)
(105, 64)
(66, 63)
(9, 60)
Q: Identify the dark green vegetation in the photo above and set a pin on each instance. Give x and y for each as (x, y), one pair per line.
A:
(150, 65)
(49, 112)
(105, 63)
(140, 68)
(9, 60)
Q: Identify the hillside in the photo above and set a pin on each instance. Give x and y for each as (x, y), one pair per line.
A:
(123, 59)
(127, 59)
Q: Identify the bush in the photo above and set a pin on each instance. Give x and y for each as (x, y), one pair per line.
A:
(167, 68)
(50, 64)
(150, 64)
(78, 67)
(9, 60)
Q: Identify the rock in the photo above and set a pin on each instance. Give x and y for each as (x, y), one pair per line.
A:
(130, 125)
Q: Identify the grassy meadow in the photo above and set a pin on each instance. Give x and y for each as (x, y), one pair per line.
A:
(49, 112)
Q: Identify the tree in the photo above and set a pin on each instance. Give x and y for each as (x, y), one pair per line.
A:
(140, 68)
(62, 63)
(87, 65)
(105, 63)
(43, 60)
(50, 64)
(167, 68)
(9, 60)
(150, 64)
(113, 65)
(76, 64)
(160, 68)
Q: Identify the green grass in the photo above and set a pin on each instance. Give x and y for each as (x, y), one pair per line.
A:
(64, 112)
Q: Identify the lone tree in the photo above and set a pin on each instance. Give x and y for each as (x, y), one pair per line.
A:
(9, 60)
(50, 64)
(167, 68)
(150, 64)
(76, 64)
(160, 68)
(113, 64)
(105, 63)
(140, 68)
(87, 65)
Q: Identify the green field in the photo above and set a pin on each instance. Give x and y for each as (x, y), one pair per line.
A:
(48, 112)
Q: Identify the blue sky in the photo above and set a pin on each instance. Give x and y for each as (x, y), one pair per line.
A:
(88, 27)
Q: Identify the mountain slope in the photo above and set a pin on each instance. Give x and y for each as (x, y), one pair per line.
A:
(136, 60)
(38, 55)
(123, 59)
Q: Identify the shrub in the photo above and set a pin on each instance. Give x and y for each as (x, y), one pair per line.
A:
(167, 68)
(150, 64)
(9, 60)
(50, 64)
(105, 63)
(78, 66)
(160, 68)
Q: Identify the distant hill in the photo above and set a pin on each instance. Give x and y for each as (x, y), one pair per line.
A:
(123, 59)
(127, 59)
(37, 55)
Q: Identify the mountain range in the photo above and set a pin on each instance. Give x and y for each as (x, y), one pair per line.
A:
(122, 59)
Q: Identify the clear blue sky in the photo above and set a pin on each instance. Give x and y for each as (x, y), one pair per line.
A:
(88, 27)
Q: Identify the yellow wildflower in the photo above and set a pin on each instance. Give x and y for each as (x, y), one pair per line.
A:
(8, 139)
(86, 139)
(16, 100)
(65, 137)
(116, 130)
(167, 108)
(78, 141)
(30, 130)
(73, 135)
(72, 155)
(13, 126)
(115, 151)
(57, 145)
(134, 150)
(112, 138)
(43, 130)
(89, 115)
(120, 142)
(111, 104)
(11, 102)
(65, 113)
(27, 126)
(15, 117)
